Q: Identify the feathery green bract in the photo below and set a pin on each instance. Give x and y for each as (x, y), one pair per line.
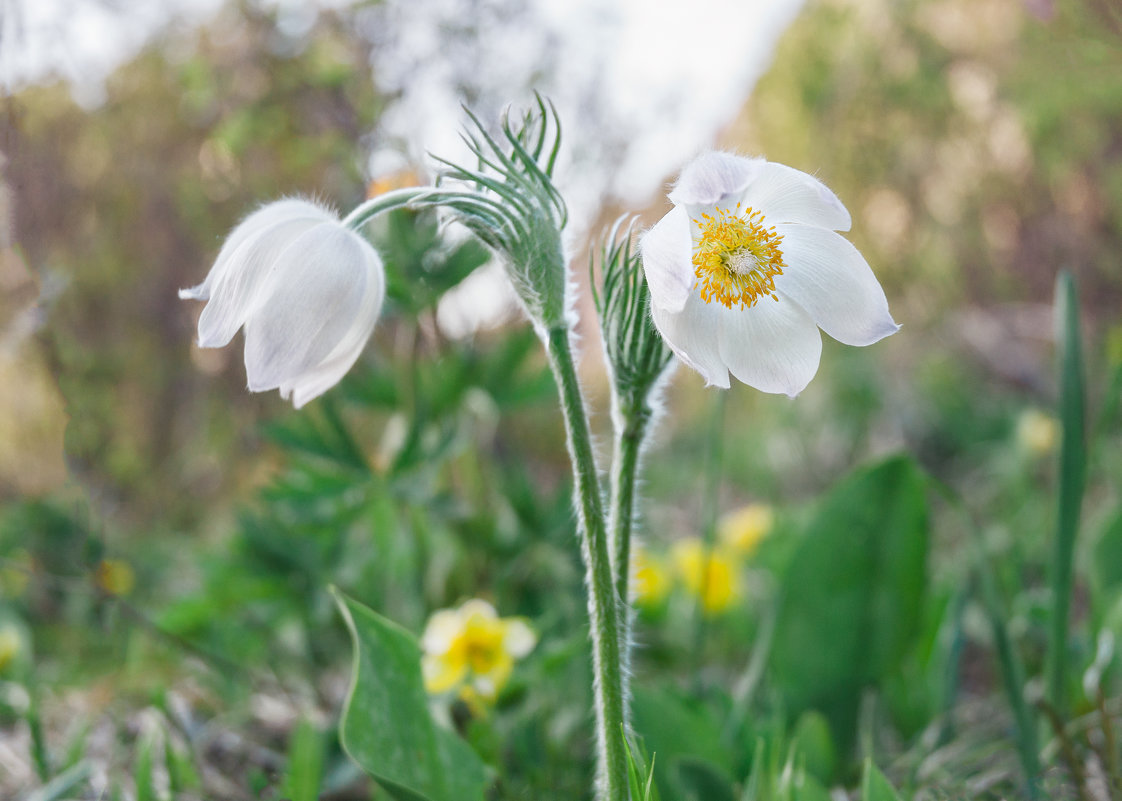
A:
(635, 350)
(510, 203)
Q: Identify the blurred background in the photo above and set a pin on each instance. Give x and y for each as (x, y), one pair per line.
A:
(166, 538)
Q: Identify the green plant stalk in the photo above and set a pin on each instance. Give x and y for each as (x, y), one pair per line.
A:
(1072, 466)
(603, 602)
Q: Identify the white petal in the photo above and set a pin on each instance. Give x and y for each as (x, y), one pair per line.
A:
(667, 260)
(477, 606)
(785, 194)
(441, 630)
(828, 277)
(309, 305)
(285, 210)
(328, 373)
(313, 383)
(692, 335)
(773, 346)
(519, 639)
(234, 284)
(713, 177)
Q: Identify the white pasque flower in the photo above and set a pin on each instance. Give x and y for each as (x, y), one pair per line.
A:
(307, 289)
(746, 268)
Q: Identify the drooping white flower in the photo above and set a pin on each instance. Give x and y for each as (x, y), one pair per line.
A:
(746, 268)
(308, 291)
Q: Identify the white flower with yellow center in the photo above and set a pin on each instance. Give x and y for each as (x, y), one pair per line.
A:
(308, 290)
(746, 268)
(472, 646)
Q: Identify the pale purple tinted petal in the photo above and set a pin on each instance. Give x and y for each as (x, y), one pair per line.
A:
(666, 251)
(311, 301)
(773, 346)
(713, 177)
(692, 335)
(233, 285)
(827, 276)
(785, 194)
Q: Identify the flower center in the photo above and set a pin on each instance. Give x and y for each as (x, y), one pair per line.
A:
(737, 258)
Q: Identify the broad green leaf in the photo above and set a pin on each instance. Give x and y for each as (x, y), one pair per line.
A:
(874, 787)
(852, 597)
(386, 726)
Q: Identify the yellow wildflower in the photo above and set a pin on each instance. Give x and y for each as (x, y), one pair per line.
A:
(743, 529)
(115, 577)
(1037, 432)
(473, 645)
(651, 578)
(710, 574)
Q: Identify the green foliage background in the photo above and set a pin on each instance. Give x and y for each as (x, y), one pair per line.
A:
(979, 146)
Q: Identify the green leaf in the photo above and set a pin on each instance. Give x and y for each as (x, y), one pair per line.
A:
(64, 785)
(874, 787)
(1072, 477)
(640, 771)
(815, 745)
(702, 781)
(386, 726)
(852, 597)
(678, 731)
(1107, 566)
(145, 788)
(305, 764)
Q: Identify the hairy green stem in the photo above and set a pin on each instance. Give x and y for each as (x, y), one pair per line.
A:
(603, 602)
(631, 419)
(368, 210)
(630, 433)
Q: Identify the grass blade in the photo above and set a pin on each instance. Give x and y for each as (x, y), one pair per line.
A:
(1072, 476)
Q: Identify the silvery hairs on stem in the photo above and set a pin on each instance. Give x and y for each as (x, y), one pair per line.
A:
(510, 203)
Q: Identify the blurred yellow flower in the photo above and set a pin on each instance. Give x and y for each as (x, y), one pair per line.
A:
(115, 577)
(710, 574)
(1037, 432)
(10, 643)
(651, 578)
(743, 529)
(473, 645)
(400, 179)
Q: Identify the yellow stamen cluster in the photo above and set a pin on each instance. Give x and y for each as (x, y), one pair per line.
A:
(737, 258)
